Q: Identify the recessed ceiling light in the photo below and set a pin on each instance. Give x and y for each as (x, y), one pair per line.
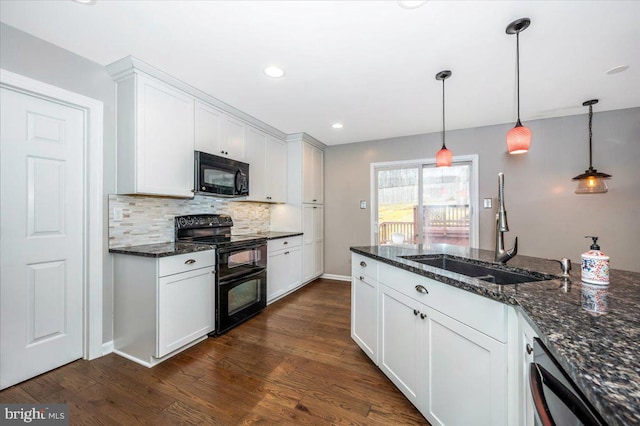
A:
(337, 125)
(619, 69)
(411, 4)
(273, 71)
(85, 2)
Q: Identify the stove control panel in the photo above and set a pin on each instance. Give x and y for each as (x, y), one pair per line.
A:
(203, 221)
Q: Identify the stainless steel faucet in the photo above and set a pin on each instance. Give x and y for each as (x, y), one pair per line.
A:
(502, 255)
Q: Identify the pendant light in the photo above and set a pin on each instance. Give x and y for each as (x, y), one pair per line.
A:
(444, 156)
(518, 138)
(591, 181)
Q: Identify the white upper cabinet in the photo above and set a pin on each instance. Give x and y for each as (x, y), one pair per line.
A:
(219, 134)
(312, 174)
(234, 139)
(155, 138)
(267, 158)
(276, 170)
(208, 128)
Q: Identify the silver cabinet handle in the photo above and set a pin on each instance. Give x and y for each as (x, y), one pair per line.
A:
(363, 264)
(189, 261)
(423, 316)
(421, 289)
(416, 312)
(529, 349)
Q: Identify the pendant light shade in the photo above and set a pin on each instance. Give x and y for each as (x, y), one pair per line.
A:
(591, 181)
(518, 138)
(444, 156)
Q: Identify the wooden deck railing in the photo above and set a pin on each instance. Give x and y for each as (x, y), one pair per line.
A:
(440, 220)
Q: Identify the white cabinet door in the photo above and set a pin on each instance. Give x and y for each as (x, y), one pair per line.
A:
(466, 377)
(164, 139)
(208, 128)
(525, 358)
(276, 176)
(312, 241)
(312, 174)
(400, 342)
(284, 272)
(185, 308)
(234, 138)
(257, 159)
(364, 314)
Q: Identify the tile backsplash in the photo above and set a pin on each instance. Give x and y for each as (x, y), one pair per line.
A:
(149, 220)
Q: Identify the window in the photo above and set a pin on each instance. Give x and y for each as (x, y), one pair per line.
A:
(416, 203)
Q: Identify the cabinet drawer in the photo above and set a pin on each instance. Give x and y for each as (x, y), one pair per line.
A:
(483, 314)
(283, 243)
(363, 266)
(185, 262)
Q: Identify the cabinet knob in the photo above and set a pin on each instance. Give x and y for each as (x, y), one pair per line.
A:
(421, 289)
(361, 278)
(189, 261)
(285, 243)
(416, 312)
(423, 316)
(286, 252)
(529, 349)
(314, 200)
(363, 264)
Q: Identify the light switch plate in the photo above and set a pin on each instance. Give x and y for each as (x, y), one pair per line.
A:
(363, 204)
(488, 203)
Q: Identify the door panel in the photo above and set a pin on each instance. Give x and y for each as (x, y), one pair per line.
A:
(41, 192)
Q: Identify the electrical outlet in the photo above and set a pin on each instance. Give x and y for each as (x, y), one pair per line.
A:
(488, 203)
(363, 204)
(117, 214)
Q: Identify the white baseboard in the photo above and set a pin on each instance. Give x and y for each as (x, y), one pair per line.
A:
(336, 277)
(107, 347)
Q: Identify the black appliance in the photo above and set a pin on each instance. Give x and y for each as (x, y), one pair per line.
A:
(219, 176)
(241, 267)
(556, 399)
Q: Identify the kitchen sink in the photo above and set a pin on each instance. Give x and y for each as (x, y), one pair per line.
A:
(487, 272)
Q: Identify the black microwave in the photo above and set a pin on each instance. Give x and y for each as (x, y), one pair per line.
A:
(220, 176)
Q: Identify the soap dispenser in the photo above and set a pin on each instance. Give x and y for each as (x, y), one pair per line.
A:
(595, 265)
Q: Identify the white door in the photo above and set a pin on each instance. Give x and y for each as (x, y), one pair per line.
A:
(41, 243)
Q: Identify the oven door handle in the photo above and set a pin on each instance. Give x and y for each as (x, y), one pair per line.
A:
(539, 376)
(243, 277)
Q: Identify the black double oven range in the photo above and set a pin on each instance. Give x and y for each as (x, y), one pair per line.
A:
(241, 266)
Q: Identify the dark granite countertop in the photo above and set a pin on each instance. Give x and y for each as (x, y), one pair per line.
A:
(600, 352)
(176, 248)
(162, 249)
(276, 235)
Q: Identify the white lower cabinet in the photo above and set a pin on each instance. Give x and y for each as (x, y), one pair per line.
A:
(162, 305)
(364, 305)
(525, 358)
(313, 241)
(451, 371)
(284, 270)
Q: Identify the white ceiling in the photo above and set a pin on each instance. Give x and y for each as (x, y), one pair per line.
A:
(368, 64)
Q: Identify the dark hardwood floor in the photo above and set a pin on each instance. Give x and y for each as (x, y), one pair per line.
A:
(294, 363)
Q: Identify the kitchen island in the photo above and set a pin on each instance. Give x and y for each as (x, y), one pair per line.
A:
(600, 352)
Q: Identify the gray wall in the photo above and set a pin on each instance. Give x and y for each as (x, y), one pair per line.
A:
(549, 219)
(32, 57)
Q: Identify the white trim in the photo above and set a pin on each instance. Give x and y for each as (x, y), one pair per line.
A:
(93, 199)
(108, 347)
(474, 239)
(336, 277)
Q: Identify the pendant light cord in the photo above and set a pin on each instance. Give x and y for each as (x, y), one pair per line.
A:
(443, 144)
(518, 70)
(590, 135)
